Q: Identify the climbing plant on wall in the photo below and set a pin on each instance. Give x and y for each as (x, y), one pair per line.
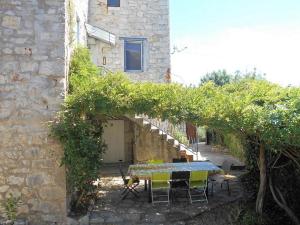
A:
(265, 113)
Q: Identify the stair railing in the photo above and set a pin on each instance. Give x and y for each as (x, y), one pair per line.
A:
(177, 131)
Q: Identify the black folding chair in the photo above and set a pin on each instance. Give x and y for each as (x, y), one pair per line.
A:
(129, 185)
(179, 160)
(180, 182)
(226, 167)
(183, 160)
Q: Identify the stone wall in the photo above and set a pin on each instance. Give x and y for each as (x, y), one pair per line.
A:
(149, 145)
(32, 87)
(129, 140)
(135, 18)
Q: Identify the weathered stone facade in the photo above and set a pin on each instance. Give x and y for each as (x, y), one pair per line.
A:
(147, 19)
(138, 144)
(149, 145)
(32, 88)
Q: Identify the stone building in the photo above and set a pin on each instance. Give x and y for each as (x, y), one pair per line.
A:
(133, 37)
(36, 38)
(140, 29)
(33, 62)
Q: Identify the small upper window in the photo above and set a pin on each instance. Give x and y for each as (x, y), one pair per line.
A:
(133, 55)
(113, 3)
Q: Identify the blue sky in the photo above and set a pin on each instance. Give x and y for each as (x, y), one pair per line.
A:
(236, 35)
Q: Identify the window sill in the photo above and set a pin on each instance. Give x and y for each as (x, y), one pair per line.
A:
(133, 71)
(113, 8)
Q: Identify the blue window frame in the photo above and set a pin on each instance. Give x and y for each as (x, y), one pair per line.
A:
(134, 55)
(113, 3)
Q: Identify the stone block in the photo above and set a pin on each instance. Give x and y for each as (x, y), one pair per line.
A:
(23, 209)
(7, 51)
(13, 180)
(51, 193)
(14, 192)
(4, 188)
(43, 164)
(52, 68)
(12, 22)
(37, 179)
(29, 66)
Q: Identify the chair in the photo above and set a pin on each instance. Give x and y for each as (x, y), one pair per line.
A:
(160, 182)
(180, 182)
(176, 160)
(222, 178)
(129, 185)
(179, 160)
(198, 185)
(183, 159)
(155, 161)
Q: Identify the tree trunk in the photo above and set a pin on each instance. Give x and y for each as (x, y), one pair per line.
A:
(263, 180)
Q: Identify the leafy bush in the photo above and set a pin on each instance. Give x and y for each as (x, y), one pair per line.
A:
(251, 218)
(80, 133)
(10, 206)
(235, 145)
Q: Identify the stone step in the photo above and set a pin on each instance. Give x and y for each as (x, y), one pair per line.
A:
(157, 131)
(139, 120)
(154, 130)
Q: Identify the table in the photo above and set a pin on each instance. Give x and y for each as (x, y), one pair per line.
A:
(144, 171)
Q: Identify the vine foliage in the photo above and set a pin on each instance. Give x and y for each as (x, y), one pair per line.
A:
(265, 114)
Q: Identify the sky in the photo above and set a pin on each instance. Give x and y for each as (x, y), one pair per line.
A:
(236, 35)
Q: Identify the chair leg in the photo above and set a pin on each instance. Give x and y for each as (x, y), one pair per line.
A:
(189, 191)
(212, 188)
(125, 194)
(204, 192)
(168, 192)
(228, 189)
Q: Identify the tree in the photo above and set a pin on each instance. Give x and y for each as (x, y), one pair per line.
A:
(219, 77)
(222, 77)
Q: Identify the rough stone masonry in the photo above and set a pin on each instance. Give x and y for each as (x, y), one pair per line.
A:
(32, 87)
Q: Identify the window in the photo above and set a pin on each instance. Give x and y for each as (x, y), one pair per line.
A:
(113, 3)
(133, 55)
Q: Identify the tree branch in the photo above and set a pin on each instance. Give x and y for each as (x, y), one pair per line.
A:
(283, 204)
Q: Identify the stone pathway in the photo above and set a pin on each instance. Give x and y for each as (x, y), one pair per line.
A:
(110, 209)
(216, 156)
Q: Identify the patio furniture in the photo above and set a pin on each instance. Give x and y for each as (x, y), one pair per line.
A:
(129, 185)
(180, 182)
(198, 185)
(160, 184)
(144, 171)
(175, 160)
(222, 178)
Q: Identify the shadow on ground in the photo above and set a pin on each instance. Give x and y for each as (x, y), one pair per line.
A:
(110, 209)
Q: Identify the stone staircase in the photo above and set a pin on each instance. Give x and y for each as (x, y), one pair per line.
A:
(159, 129)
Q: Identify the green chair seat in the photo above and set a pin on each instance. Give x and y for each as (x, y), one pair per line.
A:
(160, 181)
(160, 185)
(198, 182)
